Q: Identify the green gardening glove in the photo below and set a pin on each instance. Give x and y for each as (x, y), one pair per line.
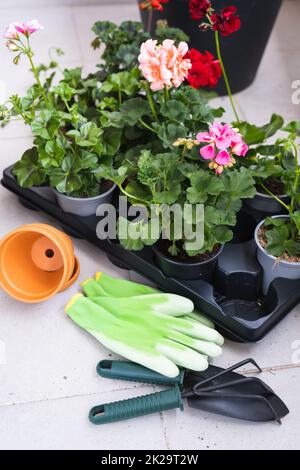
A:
(155, 340)
(104, 285)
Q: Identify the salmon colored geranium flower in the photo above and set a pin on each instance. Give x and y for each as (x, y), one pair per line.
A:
(164, 65)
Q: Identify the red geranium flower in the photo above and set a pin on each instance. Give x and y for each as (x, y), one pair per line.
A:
(205, 71)
(226, 23)
(153, 4)
(199, 9)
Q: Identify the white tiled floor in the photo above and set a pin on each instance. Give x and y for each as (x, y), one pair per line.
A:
(49, 381)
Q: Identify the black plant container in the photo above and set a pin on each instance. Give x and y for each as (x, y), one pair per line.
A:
(242, 51)
(267, 205)
(233, 298)
(186, 270)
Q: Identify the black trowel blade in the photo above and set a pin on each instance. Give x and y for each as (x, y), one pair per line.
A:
(250, 399)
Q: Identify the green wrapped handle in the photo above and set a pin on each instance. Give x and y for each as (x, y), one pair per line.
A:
(125, 370)
(134, 407)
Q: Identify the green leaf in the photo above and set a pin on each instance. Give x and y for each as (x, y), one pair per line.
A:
(138, 192)
(46, 125)
(274, 222)
(293, 128)
(87, 136)
(66, 179)
(273, 126)
(111, 141)
(266, 168)
(277, 238)
(222, 234)
(112, 119)
(164, 31)
(170, 132)
(295, 217)
(88, 160)
(126, 82)
(215, 216)
(134, 235)
(203, 184)
(103, 29)
(106, 172)
(170, 196)
(256, 135)
(239, 183)
(64, 91)
(28, 170)
(134, 109)
(175, 111)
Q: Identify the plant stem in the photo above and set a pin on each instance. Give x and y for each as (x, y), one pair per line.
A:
(225, 76)
(132, 197)
(296, 182)
(22, 116)
(273, 195)
(120, 97)
(151, 102)
(38, 79)
(144, 124)
(150, 18)
(67, 106)
(183, 152)
(166, 94)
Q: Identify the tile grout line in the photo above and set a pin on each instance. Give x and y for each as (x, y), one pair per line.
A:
(272, 369)
(164, 430)
(66, 397)
(74, 22)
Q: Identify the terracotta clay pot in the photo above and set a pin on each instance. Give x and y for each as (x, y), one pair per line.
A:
(36, 262)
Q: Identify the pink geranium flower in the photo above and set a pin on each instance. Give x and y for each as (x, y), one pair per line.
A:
(238, 146)
(164, 65)
(11, 32)
(223, 141)
(26, 29)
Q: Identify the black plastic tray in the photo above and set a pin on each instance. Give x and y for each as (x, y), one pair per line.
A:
(234, 300)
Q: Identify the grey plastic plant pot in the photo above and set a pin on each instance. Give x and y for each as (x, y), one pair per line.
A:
(267, 204)
(272, 269)
(187, 271)
(84, 206)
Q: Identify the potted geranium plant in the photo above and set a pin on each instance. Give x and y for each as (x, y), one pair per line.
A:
(67, 147)
(180, 165)
(278, 237)
(81, 122)
(257, 18)
(270, 161)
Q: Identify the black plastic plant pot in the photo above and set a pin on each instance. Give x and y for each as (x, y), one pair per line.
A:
(234, 297)
(242, 51)
(186, 270)
(267, 205)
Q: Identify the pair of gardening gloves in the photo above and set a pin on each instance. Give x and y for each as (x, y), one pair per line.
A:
(157, 330)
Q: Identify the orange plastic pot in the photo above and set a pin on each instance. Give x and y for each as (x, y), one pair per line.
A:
(36, 262)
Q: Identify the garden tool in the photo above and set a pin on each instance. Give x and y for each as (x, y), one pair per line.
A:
(215, 390)
(156, 340)
(36, 262)
(119, 291)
